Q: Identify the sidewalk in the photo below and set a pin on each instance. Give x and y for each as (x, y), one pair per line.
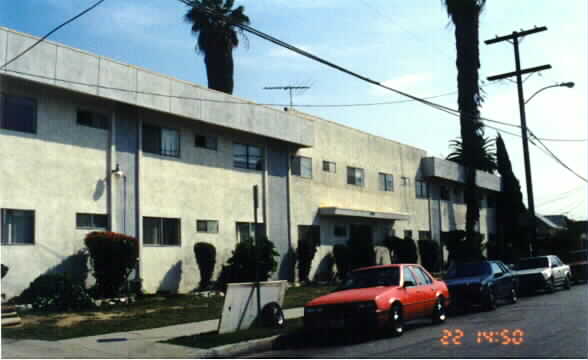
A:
(133, 344)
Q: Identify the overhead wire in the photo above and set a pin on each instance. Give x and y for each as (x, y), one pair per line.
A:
(50, 33)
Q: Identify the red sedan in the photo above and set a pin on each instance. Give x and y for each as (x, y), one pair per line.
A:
(383, 296)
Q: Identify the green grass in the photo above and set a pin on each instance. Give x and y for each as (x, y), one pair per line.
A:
(213, 339)
(148, 312)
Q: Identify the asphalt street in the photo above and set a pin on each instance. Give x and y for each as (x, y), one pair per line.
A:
(539, 326)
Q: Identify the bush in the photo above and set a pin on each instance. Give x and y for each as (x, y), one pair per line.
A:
(56, 292)
(342, 260)
(362, 250)
(206, 258)
(461, 250)
(405, 250)
(305, 253)
(113, 256)
(430, 255)
(241, 266)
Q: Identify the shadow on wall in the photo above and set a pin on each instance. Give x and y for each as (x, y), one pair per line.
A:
(75, 266)
(287, 266)
(99, 190)
(171, 281)
(324, 270)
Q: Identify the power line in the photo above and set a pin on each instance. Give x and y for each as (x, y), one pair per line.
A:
(49, 34)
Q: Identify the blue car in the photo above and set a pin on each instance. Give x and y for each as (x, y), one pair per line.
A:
(481, 283)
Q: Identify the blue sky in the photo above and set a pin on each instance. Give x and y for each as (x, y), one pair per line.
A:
(408, 45)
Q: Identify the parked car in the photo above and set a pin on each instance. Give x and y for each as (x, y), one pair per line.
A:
(578, 262)
(543, 272)
(383, 297)
(481, 283)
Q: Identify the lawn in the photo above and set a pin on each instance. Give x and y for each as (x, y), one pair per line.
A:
(148, 312)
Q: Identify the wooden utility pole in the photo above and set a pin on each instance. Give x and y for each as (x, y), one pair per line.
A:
(518, 73)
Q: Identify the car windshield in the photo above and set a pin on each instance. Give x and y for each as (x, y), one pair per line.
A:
(389, 276)
(468, 269)
(533, 263)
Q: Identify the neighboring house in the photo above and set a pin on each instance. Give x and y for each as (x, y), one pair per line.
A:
(90, 144)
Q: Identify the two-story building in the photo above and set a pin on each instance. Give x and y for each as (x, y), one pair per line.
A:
(88, 143)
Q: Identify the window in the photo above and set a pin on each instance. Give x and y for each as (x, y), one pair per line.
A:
(329, 166)
(246, 231)
(19, 114)
(386, 182)
(18, 226)
(206, 141)
(302, 166)
(421, 189)
(408, 234)
(207, 226)
(340, 230)
(91, 221)
(355, 176)
(93, 119)
(421, 275)
(161, 231)
(444, 192)
(408, 276)
(458, 195)
(247, 157)
(161, 141)
(424, 235)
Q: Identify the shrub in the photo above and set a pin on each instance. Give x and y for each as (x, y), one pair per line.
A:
(362, 250)
(113, 256)
(241, 266)
(430, 255)
(305, 253)
(461, 250)
(342, 260)
(56, 292)
(405, 250)
(206, 258)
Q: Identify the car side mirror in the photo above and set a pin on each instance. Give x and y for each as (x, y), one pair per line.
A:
(408, 283)
(498, 274)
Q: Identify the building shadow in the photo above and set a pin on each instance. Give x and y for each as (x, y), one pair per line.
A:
(171, 281)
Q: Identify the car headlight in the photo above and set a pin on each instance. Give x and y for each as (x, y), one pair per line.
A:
(313, 309)
(366, 306)
(546, 273)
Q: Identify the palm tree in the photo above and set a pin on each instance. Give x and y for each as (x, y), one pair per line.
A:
(465, 15)
(215, 22)
(485, 153)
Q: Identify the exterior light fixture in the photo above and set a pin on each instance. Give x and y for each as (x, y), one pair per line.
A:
(117, 171)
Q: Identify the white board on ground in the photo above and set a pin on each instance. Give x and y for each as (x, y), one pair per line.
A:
(240, 307)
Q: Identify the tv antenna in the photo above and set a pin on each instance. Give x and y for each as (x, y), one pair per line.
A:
(289, 88)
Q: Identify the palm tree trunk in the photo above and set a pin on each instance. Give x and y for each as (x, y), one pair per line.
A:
(219, 69)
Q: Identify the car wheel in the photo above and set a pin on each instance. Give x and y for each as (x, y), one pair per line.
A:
(490, 301)
(439, 312)
(568, 283)
(551, 286)
(396, 320)
(513, 296)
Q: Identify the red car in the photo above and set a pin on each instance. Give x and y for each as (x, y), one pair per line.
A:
(383, 296)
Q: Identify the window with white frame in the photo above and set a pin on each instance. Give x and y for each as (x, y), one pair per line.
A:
(18, 113)
(92, 119)
(421, 189)
(91, 221)
(161, 141)
(247, 156)
(206, 141)
(18, 227)
(207, 226)
(161, 231)
(355, 176)
(246, 230)
(329, 166)
(386, 182)
(302, 166)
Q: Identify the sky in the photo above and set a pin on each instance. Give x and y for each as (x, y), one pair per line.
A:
(407, 45)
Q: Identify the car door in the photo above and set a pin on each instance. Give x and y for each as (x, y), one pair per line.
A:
(424, 282)
(509, 278)
(500, 284)
(559, 270)
(411, 295)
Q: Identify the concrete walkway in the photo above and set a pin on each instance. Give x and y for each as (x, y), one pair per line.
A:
(132, 344)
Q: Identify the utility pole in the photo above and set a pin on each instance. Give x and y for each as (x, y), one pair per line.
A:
(518, 73)
(289, 88)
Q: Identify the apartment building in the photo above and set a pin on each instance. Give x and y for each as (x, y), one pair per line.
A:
(91, 144)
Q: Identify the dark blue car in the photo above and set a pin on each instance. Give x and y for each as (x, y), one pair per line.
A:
(481, 283)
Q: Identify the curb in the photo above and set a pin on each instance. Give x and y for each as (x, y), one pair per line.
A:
(232, 350)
